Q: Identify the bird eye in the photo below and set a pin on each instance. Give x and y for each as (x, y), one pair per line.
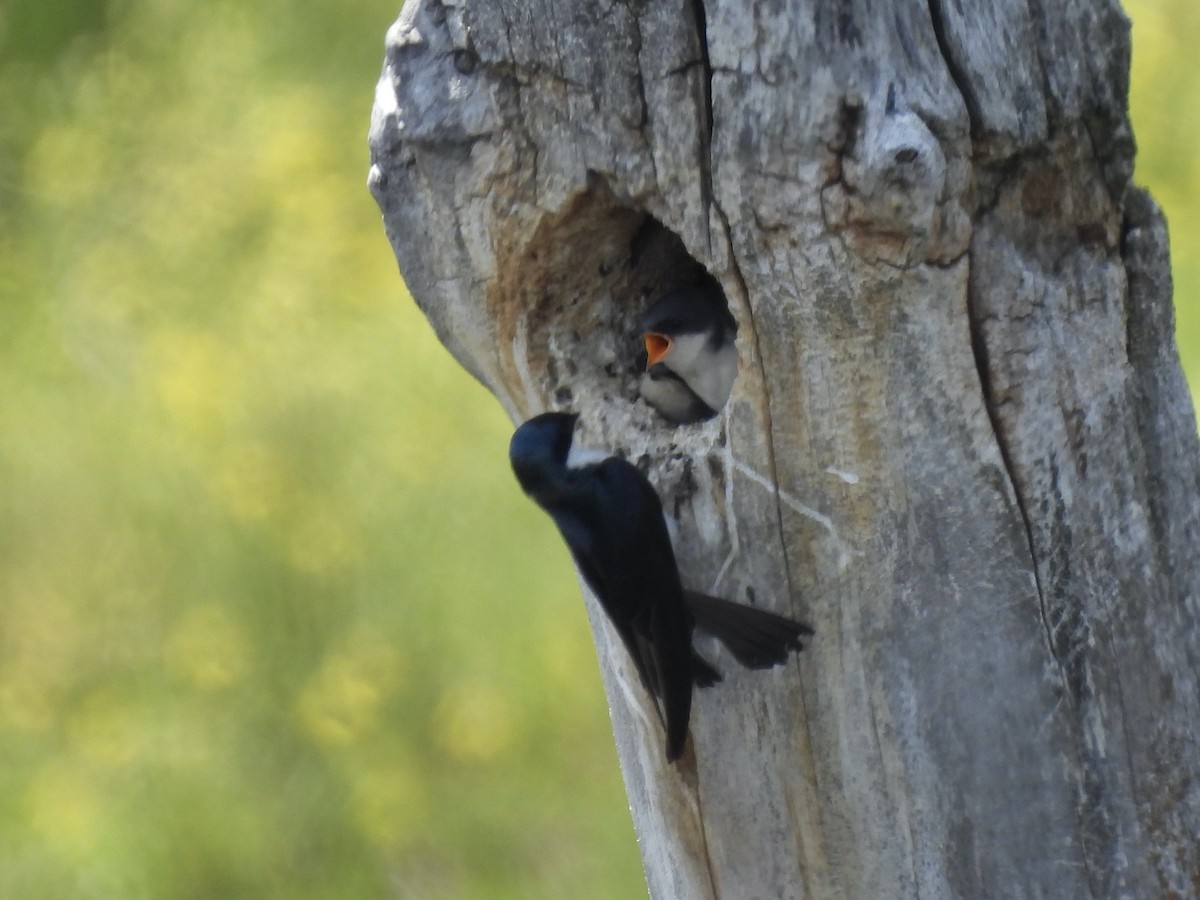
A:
(657, 346)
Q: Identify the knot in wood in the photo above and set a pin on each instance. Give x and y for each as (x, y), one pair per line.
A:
(431, 90)
(897, 172)
(894, 202)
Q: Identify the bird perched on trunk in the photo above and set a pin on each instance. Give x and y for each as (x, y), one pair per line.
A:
(612, 521)
(691, 359)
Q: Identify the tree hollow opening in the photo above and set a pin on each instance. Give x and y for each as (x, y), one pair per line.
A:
(607, 314)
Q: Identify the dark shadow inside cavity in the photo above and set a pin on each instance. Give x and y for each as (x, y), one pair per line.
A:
(687, 360)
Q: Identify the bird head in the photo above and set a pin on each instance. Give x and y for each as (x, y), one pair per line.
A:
(539, 448)
(691, 358)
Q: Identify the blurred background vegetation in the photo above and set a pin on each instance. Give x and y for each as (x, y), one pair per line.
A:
(274, 619)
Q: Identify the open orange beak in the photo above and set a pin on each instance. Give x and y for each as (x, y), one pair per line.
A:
(657, 346)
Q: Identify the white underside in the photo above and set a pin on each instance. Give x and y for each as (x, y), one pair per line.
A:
(670, 397)
(710, 375)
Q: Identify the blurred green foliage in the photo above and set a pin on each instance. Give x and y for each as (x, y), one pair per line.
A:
(1164, 100)
(274, 618)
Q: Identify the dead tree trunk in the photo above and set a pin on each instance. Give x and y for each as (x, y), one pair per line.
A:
(959, 443)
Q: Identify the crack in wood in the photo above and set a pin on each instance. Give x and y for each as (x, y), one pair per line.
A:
(706, 129)
(957, 73)
(979, 346)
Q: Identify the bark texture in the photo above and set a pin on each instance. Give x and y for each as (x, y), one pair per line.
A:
(959, 444)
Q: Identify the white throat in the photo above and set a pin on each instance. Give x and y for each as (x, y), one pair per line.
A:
(708, 373)
(582, 457)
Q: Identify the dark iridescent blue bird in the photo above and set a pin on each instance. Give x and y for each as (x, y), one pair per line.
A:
(690, 355)
(612, 521)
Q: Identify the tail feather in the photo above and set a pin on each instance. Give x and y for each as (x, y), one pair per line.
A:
(670, 640)
(758, 639)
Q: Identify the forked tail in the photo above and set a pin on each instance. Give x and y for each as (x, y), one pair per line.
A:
(757, 639)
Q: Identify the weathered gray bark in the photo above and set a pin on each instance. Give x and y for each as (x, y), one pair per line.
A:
(959, 444)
